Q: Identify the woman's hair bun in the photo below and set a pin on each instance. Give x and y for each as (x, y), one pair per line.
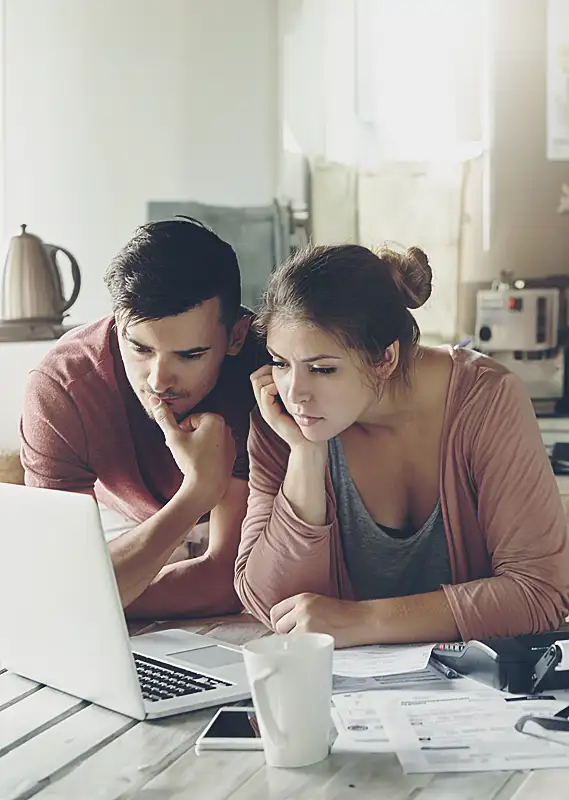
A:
(411, 272)
(416, 277)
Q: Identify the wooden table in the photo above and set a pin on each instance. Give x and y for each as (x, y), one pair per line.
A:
(55, 747)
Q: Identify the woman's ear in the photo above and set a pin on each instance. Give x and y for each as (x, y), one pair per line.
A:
(238, 335)
(390, 361)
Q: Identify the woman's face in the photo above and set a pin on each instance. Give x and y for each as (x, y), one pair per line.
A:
(322, 385)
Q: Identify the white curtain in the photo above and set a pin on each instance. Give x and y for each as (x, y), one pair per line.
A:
(373, 80)
(384, 98)
(419, 78)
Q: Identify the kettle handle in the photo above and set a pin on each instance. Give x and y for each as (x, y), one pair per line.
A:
(53, 250)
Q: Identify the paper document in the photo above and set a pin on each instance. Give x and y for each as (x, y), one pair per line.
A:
(358, 725)
(381, 659)
(357, 714)
(469, 731)
(428, 679)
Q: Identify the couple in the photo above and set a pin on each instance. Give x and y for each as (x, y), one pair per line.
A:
(379, 491)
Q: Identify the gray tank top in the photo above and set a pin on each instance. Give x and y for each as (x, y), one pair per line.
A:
(380, 562)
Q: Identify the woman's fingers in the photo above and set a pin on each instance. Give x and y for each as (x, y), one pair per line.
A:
(261, 373)
(263, 384)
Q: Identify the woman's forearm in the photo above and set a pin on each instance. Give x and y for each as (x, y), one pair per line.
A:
(304, 485)
(417, 618)
(285, 541)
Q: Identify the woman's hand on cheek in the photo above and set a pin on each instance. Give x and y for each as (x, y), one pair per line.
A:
(346, 620)
(272, 409)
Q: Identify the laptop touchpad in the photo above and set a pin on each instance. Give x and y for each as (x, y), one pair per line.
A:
(213, 656)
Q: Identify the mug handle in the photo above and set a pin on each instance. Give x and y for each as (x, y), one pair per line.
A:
(260, 692)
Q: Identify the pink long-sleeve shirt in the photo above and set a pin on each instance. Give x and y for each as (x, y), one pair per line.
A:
(504, 522)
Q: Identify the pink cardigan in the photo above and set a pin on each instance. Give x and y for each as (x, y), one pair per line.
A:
(504, 522)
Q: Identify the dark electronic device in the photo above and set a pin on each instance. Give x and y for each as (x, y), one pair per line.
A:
(520, 665)
(560, 458)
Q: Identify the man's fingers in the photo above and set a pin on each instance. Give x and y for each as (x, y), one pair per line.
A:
(206, 421)
(189, 423)
(162, 415)
(210, 427)
(194, 421)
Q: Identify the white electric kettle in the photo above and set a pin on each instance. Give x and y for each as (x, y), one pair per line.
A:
(31, 282)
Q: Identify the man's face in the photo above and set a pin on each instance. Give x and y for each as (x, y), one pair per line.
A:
(177, 358)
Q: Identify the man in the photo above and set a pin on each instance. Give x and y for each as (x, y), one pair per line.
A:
(149, 410)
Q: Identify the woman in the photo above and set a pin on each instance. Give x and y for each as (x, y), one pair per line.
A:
(398, 493)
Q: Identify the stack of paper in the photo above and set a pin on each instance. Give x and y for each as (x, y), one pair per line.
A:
(471, 732)
(358, 669)
(463, 726)
(432, 723)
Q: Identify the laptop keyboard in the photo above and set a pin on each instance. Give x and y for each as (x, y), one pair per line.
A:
(160, 681)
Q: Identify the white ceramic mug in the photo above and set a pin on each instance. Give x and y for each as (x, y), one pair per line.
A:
(291, 684)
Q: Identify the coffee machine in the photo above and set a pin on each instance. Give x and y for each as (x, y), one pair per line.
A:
(523, 325)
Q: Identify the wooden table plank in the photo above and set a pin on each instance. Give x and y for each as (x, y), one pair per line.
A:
(131, 760)
(36, 711)
(201, 625)
(212, 775)
(509, 789)
(13, 686)
(139, 626)
(545, 783)
(239, 631)
(466, 785)
(244, 776)
(363, 775)
(44, 757)
(368, 776)
(236, 629)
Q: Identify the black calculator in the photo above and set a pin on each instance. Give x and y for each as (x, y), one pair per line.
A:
(510, 664)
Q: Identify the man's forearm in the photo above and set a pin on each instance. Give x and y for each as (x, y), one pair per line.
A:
(199, 586)
(139, 554)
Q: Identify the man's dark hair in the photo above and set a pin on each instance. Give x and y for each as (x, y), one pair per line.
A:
(172, 266)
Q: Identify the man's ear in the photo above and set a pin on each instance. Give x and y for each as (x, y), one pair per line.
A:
(238, 335)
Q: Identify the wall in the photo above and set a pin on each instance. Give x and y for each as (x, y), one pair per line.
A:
(526, 233)
(113, 103)
(15, 362)
(110, 104)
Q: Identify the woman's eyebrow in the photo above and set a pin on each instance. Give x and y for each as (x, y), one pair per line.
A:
(319, 357)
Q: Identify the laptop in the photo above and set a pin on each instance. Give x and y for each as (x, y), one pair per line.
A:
(62, 622)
